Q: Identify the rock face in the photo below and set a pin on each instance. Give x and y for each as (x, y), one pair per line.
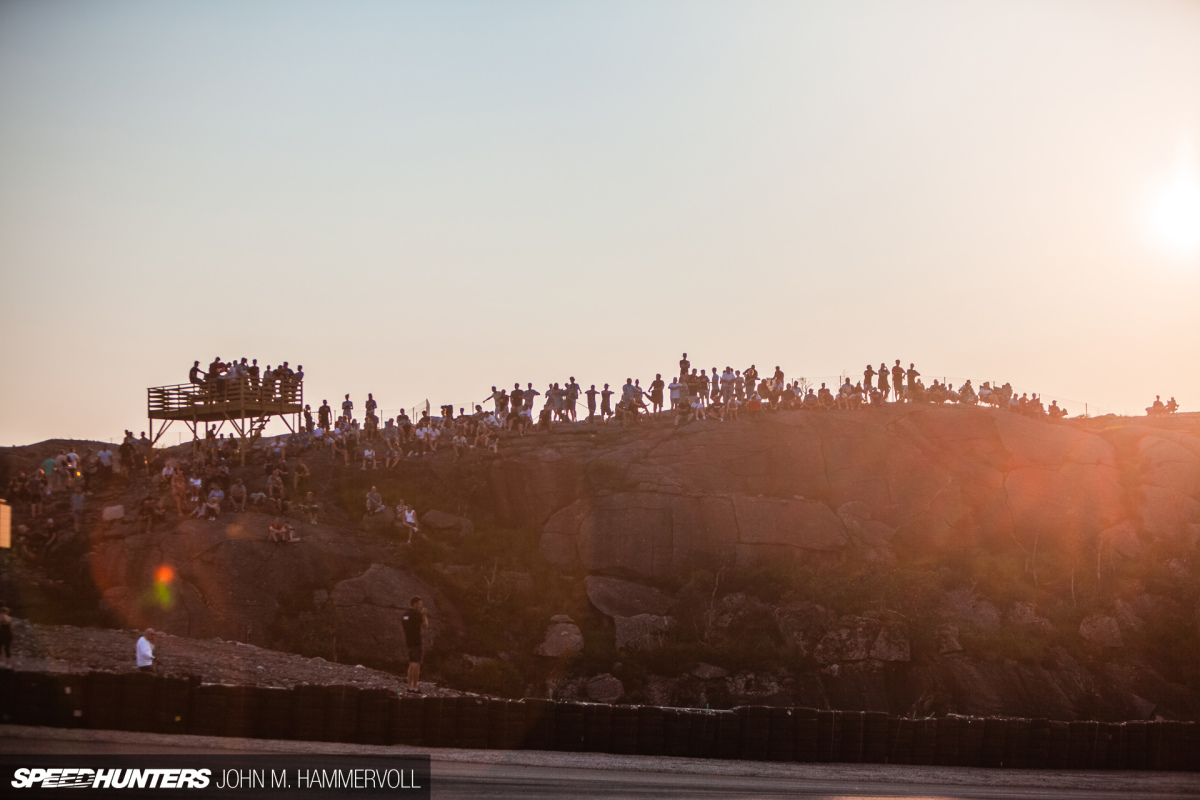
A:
(641, 632)
(562, 638)
(227, 581)
(368, 609)
(803, 624)
(441, 522)
(614, 597)
(860, 638)
(909, 478)
(963, 606)
(1102, 630)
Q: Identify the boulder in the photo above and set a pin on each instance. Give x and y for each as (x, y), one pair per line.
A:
(891, 644)
(947, 640)
(562, 638)
(850, 641)
(641, 632)
(441, 522)
(605, 688)
(708, 672)
(614, 597)
(380, 522)
(367, 610)
(1102, 630)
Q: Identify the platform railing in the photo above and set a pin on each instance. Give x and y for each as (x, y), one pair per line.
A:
(189, 396)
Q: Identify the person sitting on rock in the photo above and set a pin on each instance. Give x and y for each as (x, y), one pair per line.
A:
(845, 392)
(300, 475)
(368, 457)
(281, 531)
(145, 516)
(237, 496)
(275, 490)
(310, 507)
(1055, 411)
(212, 505)
(825, 399)
(1172, 406)
(374, 501)
(1157, 408)
(406, 515)
(966, 394)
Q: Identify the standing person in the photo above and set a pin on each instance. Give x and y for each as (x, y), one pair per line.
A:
(348, 408)
(573, 391)
(884, 387)
(370, 405)
(898, 381)
(591, 402)
(684, 366)
(606, 403)
(105, 460)
(145, 651)
(254, 374)
(325, 415)
(912, 376)
(531, 394)
(868, 375)
(516, 399)
(750, 379)
(674, 393)
(414, 621)
(656, 395)
(6, 634)
(308, 420)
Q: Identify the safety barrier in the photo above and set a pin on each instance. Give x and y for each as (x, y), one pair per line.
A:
(144, 702)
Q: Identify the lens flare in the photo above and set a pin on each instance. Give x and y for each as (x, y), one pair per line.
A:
(164, 576)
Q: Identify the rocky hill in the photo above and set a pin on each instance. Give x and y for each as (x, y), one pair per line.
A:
(910, 558)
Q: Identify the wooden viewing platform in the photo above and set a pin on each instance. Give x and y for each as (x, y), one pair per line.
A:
(246, 408)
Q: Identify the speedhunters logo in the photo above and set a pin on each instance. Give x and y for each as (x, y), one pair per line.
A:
(228, 777)
(84, 778)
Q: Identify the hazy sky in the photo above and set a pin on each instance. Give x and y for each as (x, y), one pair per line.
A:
(425, 199)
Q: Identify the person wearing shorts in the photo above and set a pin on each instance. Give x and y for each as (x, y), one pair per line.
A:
(414, 621)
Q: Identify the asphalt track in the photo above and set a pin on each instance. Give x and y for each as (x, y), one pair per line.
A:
(534, 774)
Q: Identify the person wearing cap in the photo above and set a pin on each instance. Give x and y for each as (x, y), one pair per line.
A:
(145, 651)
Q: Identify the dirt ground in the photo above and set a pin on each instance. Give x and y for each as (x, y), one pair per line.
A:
(65, 648)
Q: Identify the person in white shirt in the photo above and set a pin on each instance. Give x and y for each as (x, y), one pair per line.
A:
(145, 651)
(673, 388)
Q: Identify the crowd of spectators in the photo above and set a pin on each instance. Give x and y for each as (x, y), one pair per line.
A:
(202, 484)
(279, 384)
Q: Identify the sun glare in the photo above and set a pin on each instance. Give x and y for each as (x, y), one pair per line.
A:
(1174, 213)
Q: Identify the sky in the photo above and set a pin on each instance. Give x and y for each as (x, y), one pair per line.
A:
(423, 199)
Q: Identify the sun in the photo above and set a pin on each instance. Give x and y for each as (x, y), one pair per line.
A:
(1173, 217)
